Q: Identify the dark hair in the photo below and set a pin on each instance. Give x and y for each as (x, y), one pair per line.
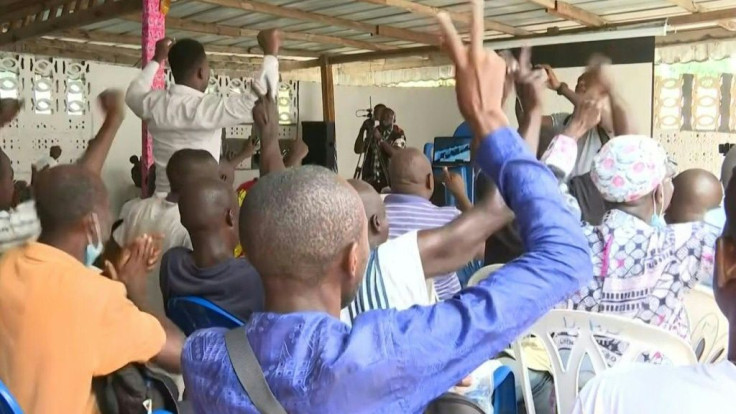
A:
(189, 164)
(65, 194)
(185, 57)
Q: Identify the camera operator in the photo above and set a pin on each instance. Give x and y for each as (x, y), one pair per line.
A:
(380, 138)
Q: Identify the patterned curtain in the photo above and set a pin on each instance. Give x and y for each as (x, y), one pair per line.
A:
(695, 111)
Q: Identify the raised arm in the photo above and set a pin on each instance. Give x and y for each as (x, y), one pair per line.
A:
(111, 102)
(447, 341)
(135, 97)
(266, 122)
(529, 88)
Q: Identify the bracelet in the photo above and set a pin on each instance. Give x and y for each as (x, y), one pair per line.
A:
(559, 88)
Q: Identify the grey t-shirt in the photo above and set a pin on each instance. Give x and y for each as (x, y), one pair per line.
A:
(588, 145)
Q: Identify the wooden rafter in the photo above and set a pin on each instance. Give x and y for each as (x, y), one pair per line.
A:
(296, 14)
(104, 37)
(569, 12)
(705, 17)
(72, 13)
(241, 32)
(688, 5)
(424, 10)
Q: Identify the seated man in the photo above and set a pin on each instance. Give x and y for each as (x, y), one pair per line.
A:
(703, 388)
(408, 207)
(642, 266)
(697, 193)
(184, 116)
(305, 231)
(62, 323)
(209, 212)
(159, 214)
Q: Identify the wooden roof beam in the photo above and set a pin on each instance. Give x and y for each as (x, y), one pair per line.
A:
(105, 37)
(569, 12)
(297, 14)
(688, 5)
(424, 10)
(43, 23)
(232, 31)
(705, 17)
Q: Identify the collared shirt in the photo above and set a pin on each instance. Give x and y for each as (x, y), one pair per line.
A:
(692, 389)
(182, 117)
(406, 212)
(62, 324)
(640, 271)
(19, 226)
(153, 215)
(398, 361)
(393, 279)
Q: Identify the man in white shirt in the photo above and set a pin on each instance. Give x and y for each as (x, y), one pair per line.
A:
(184, 116)
(159, 214)
(703, 388)
(398, 269)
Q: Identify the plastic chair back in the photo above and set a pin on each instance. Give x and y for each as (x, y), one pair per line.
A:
(8, 405)
(639, 338)
(708, 326)
(191, 313)
(483, 273)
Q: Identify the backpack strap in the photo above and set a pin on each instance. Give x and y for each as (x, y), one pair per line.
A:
(249, 372)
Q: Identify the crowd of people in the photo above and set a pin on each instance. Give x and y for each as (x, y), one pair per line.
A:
(351, 301)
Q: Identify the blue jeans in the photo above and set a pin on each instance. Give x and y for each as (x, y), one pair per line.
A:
(543, 388)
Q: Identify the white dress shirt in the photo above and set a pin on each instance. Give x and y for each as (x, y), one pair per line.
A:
(655, 389)
(182, 117)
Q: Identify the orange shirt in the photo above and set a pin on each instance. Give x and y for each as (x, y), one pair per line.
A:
(60, 325)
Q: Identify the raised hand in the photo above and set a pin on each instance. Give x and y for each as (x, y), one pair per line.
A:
(529, 83)
(266, 117)
(479, 75)
(552, 82)
(112, 102)
(9, 109)
(134, 263)
(453, 181)
(162, 49)
(270, 41)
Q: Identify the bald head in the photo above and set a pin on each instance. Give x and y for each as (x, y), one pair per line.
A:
(296, 224)
(696, 192)
(206, 205)
(68, 194)
(189, 165)
(411, 173)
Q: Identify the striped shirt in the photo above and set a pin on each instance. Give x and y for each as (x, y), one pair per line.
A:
(393, 279)
(19, 226)
(407, 213)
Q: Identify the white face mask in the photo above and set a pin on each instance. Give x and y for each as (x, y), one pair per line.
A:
(658, 220)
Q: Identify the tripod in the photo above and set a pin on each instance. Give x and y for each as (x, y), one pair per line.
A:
(371, 146)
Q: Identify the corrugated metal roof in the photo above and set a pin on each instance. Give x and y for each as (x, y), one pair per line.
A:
(521, 14)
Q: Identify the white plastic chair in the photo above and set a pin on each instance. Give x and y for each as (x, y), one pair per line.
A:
(708, 326)
(483, 273)
(639, 337)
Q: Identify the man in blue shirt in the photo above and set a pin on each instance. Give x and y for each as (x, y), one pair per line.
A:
(306, 234)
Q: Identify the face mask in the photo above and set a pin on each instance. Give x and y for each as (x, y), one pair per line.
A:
(657, 220)
(92, 252)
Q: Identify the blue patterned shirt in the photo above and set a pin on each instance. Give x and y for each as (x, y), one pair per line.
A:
(398, 361)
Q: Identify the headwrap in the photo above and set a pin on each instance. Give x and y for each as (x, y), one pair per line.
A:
(629, 167)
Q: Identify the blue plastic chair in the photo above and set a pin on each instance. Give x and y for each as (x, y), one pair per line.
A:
(504, 391)
(8, 405)
(191, 313)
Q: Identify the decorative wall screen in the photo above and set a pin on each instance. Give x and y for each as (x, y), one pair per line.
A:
(287, 101)
(56, 109)
(695, 111)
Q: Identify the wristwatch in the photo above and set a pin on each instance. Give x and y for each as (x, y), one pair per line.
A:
(559, 88)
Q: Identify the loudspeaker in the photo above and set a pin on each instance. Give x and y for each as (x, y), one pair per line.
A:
(320, 139)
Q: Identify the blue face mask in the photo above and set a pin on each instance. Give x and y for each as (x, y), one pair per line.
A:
(657, 220)
(93, 251)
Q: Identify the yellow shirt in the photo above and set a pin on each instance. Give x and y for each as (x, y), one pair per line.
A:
(60, 325)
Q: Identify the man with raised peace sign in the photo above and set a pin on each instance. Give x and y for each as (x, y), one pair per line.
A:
(305, 232)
